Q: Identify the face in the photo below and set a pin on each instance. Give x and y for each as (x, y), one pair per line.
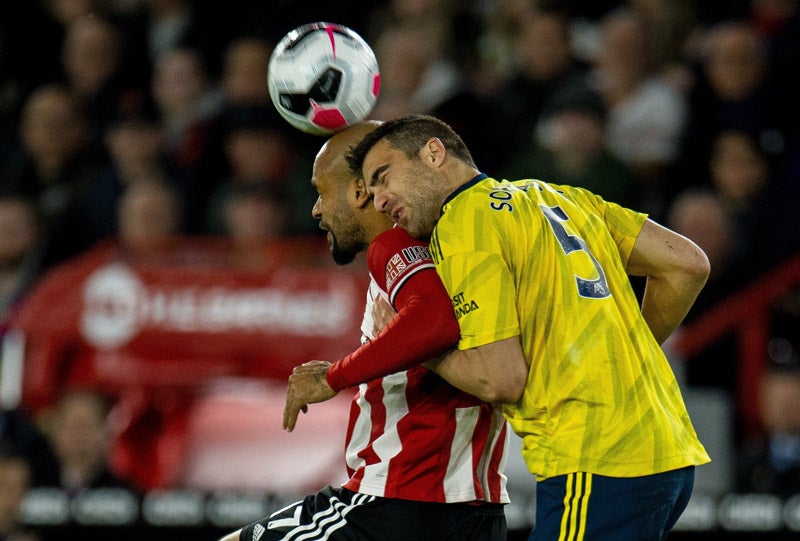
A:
(735, 67)
(252, 218)
(245, 71)
(403, 188)
(543, 47)
(737, 170)
(255, 154)
(18, 232)
(91, 54)
(178, 81)
(623, 51)
(15, 479)
(346, 235)
(780, 402)
(148, 213)
(51, 127)
(80, 435)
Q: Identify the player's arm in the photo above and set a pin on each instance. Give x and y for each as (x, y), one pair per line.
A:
(495, 372)
(676, 270)
(424, 327)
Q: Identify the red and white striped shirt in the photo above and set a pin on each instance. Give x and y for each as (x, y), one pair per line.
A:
(411, 435)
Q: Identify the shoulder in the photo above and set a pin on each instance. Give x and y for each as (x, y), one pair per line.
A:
(394, 257)
(394, 253)
(394, 238)
(390, 242)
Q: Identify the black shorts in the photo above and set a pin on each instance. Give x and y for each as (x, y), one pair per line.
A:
(340, 514)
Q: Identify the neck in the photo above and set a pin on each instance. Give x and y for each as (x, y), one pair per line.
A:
(460, 175)
(375, 223)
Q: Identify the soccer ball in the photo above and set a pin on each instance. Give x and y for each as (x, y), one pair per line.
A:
(323, 77)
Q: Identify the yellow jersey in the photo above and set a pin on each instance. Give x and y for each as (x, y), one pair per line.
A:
(547, 263)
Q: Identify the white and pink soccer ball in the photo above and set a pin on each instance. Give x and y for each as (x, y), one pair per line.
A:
(323, 77)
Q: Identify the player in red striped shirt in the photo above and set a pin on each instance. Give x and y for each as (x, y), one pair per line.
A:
(425, 460)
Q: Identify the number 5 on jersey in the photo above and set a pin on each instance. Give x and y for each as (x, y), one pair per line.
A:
(593, 289)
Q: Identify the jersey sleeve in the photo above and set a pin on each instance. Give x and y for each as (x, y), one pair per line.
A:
(624, 225)
(483, 295)
(473, 245)
(425, 325)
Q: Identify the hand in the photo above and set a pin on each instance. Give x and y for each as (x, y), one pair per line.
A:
(382, 314)
(307, 385)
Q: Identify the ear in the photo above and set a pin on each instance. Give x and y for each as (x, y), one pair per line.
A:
(433, 153)
(361, 196)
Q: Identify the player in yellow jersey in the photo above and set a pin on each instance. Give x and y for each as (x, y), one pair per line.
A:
(538, 277)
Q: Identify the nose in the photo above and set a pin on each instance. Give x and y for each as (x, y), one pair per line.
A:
(380, 201)
(316, 212)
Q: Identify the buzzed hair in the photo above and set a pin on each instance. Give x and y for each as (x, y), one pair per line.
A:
(409, 134)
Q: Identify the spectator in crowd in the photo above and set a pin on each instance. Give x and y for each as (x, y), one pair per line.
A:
(778, 22)
(244, 72)
(149, 215)
(741, 174)
(258, 149)
(737, 222)
(188, 105)
(243, 86)
(80, 433)
(499, 27)
(54, 165)
(68, 11)
(702, 215)
(772, 462)
(412, 79)
(570, 148)
(92, 57)
(251, 215)
(433, 17)
(186, 102)
(545, 63)
(20, 436)
(20, 251)
(15, 479)
(135, 146)
(28, 59)
(646, 115)
(733, 92)
(448, 82)
(669, 25)
(157, 27)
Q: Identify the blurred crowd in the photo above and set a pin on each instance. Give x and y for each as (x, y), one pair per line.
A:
(137, 120)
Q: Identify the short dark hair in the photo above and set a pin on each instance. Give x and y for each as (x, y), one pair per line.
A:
(409, 134)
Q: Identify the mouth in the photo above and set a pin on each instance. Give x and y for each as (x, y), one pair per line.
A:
(328, 234)
(396, 214)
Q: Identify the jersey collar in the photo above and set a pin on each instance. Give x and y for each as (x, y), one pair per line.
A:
(477, 178)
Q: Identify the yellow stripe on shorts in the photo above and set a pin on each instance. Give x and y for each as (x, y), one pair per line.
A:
(576, 506)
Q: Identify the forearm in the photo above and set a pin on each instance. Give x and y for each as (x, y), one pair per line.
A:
(667, 300)
(676, 271)
(496, 372)
(419, 332)
(460, 369)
